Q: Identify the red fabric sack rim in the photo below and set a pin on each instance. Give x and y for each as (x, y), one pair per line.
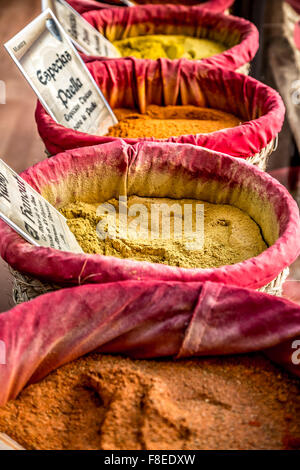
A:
(252, 273)
(218, 5)
(271, 121)
(295, 4)
(232, 59)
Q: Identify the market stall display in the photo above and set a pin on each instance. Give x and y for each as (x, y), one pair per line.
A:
(135, 84)
(96, 174)
(238, 36)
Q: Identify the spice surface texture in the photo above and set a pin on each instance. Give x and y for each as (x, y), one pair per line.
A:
(155, 231)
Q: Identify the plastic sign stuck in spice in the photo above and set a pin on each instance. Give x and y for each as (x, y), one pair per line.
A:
(85, 37)
(49, 61)
(32, 216)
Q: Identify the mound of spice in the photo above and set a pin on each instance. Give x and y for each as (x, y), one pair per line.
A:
(113, 403)
(169, 46)
(162, 122)
(156, 232)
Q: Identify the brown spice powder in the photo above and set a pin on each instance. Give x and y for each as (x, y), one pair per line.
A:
(111, 403)
(230, 235)
(162, 122)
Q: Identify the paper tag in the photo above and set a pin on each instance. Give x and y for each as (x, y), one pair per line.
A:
(84, 36)
(49, 61)
(31, 215)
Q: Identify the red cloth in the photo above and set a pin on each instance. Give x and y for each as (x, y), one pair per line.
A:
(143, 320)
(297, 35)
(118, 165)
(117, 23)
(86, 5)
(137, 83)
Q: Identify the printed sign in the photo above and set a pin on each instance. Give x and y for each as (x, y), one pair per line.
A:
(84, 36)
(31, 215)
(49, 61)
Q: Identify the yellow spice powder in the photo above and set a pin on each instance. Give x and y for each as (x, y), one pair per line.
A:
(162, 122)
(170, 46)
(230, 235)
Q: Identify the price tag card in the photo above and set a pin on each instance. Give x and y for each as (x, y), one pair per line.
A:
(31, 215)
(49, 61)
(7, 443)
(84, 36)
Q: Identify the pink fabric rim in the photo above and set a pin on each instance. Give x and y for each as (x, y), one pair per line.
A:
(69, 269)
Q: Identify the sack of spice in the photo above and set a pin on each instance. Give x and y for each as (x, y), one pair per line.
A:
(218, 6)
(212, 5)
(176, 31)
(142, 320)
(291, 21)
(79, 181)
(196, 91)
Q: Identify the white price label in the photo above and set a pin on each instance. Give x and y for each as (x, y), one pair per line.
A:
(126, 2)
(31, 215)
(84, 36)
(49, 61)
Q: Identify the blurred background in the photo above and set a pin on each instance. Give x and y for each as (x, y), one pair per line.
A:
(277, 64)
